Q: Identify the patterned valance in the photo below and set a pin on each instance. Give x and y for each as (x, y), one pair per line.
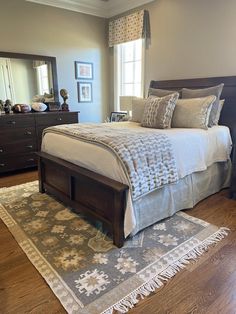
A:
(130, 27)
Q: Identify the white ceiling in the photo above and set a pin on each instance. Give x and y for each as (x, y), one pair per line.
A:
(102, 8)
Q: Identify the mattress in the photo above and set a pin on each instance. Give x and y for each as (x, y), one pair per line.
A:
(195, 150)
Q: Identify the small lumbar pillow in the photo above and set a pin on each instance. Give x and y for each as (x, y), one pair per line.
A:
(158, 92)
(39, 106)
(158, 111)
(138, 105)
(192, 113)
(204, 92)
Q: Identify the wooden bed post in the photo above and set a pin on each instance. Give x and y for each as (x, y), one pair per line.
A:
(119, 215)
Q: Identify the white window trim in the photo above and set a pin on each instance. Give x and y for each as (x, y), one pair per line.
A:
(117, 74)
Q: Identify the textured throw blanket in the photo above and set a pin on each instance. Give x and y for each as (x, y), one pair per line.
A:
(147, 158)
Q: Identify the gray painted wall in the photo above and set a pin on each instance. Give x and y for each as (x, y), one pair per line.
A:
(191, 38)
(35, 29)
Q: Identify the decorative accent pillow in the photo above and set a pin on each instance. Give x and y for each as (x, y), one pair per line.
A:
(158, 111)
(193, 113)
(161, 92)
(138, 105)
(196, 93)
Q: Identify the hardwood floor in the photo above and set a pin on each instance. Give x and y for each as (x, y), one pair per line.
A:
(206, 286)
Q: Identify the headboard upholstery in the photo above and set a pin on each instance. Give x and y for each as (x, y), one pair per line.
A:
(228, 115)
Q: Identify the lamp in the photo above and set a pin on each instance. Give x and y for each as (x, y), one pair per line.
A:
(126, 103)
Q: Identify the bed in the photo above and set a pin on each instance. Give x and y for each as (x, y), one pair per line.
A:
(92, 182)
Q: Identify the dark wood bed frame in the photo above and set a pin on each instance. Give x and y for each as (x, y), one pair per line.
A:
(102, 198)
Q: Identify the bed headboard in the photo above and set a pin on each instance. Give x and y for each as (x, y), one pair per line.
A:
(228, 115)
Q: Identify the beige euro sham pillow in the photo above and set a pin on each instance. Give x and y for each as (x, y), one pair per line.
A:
(158, 111)
(158, 92)
(193, 112)
(204, 92)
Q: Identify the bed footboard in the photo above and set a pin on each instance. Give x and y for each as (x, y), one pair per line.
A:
(87, 192)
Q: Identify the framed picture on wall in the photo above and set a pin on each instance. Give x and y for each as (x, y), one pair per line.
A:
(85, 92)
(83, 70)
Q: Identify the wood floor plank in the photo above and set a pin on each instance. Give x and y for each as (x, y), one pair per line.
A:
(205, 286)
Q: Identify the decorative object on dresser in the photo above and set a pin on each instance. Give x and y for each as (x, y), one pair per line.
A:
(64, 94)
(21, 136)
(54, 106)
(7, 106)
(39, 106)
(21, 108)
(1, 105)
(83, 70)
(85, 92)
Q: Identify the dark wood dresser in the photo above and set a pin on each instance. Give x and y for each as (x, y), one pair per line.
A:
(21, 136)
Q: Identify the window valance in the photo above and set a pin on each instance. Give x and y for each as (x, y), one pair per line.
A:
(130, 27)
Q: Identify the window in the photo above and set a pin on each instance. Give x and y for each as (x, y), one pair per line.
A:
(43, 79)
(129, 68)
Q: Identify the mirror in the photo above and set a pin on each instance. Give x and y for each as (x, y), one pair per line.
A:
(28, 78)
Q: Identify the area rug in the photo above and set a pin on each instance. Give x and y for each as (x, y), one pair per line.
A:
(81, 265)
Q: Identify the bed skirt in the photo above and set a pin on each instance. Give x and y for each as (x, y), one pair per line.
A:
(184, 194)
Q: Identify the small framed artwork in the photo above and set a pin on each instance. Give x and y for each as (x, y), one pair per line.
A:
(118, 116)
(83, 70)
(54, 106)
(85, 92)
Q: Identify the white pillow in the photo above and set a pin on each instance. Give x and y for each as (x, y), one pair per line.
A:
(138, 105)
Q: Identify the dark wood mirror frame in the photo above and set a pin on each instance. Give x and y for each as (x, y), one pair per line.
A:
(15, 55)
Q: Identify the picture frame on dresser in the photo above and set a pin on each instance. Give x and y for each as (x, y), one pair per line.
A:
(118, 116)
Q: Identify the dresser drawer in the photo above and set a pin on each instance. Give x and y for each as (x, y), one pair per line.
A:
(21, 146)
(14, 121)
(18, 161)
(15, 134)
(50, 119)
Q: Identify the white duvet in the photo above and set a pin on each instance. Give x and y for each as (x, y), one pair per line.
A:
(194, 150)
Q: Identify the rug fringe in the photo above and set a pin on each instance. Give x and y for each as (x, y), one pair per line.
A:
(143, 291)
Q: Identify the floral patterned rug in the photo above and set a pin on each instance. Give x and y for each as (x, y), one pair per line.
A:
(79, 262)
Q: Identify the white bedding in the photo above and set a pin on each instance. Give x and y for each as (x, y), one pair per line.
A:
(194, 149)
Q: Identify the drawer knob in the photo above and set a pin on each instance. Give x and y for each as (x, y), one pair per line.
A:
(2, 165)
(28, 133)
(11, 122)
(1, 150)
(29, 146)
(59, 119)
